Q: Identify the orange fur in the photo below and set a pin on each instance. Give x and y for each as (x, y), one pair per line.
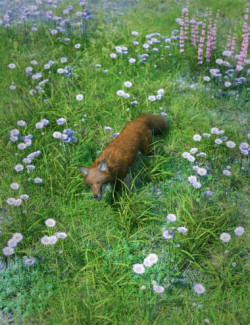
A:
(113, 163)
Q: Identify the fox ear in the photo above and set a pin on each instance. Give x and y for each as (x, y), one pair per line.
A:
(83, 170)
(103, 166)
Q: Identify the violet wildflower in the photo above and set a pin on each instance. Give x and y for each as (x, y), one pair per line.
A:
(138, 268)
(225, 237)
(199, 288)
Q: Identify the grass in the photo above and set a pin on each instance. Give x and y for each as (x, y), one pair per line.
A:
(87, 278)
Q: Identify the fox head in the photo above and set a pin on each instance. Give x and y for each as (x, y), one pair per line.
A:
(96, 178)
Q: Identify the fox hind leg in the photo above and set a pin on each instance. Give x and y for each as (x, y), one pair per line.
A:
(147, 144)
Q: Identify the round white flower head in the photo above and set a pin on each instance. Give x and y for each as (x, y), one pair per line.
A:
(202, 171)
(143, 287)
(38, 180)
(244, 146)
(29, 261)
(218, 141)
(24, 197)
(50, 222)
(197, 137)
(138, 268)
(61, 235)
(196, 184)
(171, 217)
(150, 260)
(126, 95)
(151, 98)
(226, 172)
(168, 234)
(39, 125)
(239, 231)
(192, 178)
(185, 154)
(12, 243)
(14, 186)
(52, 240)
(79, 97)
(77, 46)
(107, 128)
(227, 84)
(158, 289)
(7, 251)
(206, 78)
(132, 60)
(113, 55)
(17, 202)
(30, 168)
(214, 130)
(225, 237)
(120, 93)
(199, 288)
(128, 84)
(193, 151)
(63, 60)
(230, 144)
(45, 240)
(160, 91)
(219, 61)
(61, 121)
(206, 135)
(182, 230)
(10, 201)
(18, 168)
(145, 46)
(12, 66)
(17, 237)
(191, 158)
(21, 123)
(134, 33)
(57, 135)
(61, 70)
(22, 146)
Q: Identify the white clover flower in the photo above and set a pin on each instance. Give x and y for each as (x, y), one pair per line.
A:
(168, 234)
(50, 222)
(214, 130)
(158, 289)
(14, 186)
(239, 231)
(45, 240)
(18, 168)
(219, 61)
(61, 235)
(185, 154)
(193, 151)
(226, 172)
(196, 184)
(150, 260)
(113, 55)
(107, 128)
(225, 237)
(79, 97)
(24, 197)
(22, 146)
(39, 125)
(192, 179)
(128, 84)
(12, 243)
(120, 93)
(52, 240)
(7, 251)
(145, 46)
(132, 60)
(12, 66)
(227, 84)
(218, 141)
(230, 144)
(151, 98)
(143, 287)
(77, 46)
(30, 168)
(61, 121)
(138, 268)
(17, 237)
(191, 158)
(17, 202)
(21, 123)
(134, 33)
(10, 201)
(160, 91)
(197, 137)
(171, 217)
(14, 132)
(206, 78)
(57, 135)
(38, 180)
(158, 97)
(202, 171)
(182, 230)
(199, 288)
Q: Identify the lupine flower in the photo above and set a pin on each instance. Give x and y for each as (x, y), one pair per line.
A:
(138, 268)
(225, 237)
(199, 288)
(239, 231)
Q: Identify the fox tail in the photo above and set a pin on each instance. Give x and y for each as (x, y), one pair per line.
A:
(156, 123)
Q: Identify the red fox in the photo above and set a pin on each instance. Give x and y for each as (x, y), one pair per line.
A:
(113, 163)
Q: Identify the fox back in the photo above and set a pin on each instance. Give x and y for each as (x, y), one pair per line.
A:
(113, 163)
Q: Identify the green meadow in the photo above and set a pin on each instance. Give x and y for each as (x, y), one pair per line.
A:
(88, 277)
